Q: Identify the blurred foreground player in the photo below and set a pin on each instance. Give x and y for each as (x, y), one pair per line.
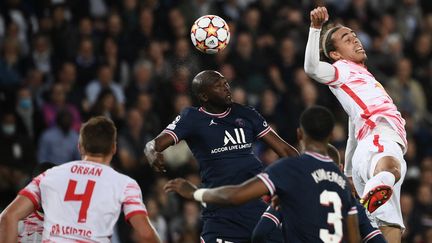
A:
(82, 200)
(315, 196)
(377, 137)
(220, 134)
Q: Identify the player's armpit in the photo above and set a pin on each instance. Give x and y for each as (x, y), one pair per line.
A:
(353, 229)
(18, 209)
(282, 148)
(145, 230)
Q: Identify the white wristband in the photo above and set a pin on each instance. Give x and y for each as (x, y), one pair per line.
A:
(198, 194)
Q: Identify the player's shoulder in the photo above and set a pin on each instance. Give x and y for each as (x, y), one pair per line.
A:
(341, 63)
(286, 162)
(245, 110)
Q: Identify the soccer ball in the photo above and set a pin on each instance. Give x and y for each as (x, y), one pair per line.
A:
(210, 34)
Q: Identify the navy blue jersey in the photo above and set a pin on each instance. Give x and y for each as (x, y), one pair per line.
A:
(222, 144)
(315, 197)
(269, 224)
(368, 232)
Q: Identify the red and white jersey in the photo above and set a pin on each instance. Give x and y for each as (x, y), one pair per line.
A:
(30, 229)
(82, 201)
(364, 99)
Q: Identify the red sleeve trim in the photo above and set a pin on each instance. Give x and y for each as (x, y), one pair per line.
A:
(133, 213)
(335, 78)
(30, 196)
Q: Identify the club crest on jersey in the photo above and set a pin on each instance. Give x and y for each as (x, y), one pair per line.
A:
(239, 122)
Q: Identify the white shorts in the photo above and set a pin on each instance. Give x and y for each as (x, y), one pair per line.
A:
(367, 153)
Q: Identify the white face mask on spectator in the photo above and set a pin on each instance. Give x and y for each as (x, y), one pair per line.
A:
(8, 129)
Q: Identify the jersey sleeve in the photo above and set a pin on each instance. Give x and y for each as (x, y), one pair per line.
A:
(342, 73)
(273, 174)
(270, 221)
(132, 200)
(260, 125)
(32, 191)
(179, 129)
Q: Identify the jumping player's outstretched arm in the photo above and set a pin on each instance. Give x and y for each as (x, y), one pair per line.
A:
(227, 195)
(322, 72)
(279, 145)
(20, 208)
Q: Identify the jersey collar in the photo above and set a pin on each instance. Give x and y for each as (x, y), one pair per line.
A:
(218, 115)
(319, 156)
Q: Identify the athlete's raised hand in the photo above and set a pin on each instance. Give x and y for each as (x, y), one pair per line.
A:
(318, 17)
(155, 159)
(181, 186)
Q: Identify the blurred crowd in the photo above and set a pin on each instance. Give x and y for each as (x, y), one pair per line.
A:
(63, 61)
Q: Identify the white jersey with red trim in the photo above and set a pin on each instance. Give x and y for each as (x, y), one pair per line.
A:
(365, 100)
(82, 201)
(30, 229)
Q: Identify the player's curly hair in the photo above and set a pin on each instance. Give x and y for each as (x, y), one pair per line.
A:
(317, 122)
(326, 42)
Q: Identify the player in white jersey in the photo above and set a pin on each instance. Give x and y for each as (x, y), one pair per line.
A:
(377, 139)
(82, 200)
(30, 229)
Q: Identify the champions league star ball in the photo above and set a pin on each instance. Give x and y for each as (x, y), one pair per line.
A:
(210, 34)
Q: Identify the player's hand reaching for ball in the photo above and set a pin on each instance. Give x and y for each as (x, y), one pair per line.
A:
(181, 186)
(318, 17)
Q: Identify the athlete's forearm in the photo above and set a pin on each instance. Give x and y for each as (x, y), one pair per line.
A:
(227, 195)
(322, 72)
(8, 229)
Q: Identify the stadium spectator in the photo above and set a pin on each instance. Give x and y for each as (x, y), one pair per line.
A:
(58, 143)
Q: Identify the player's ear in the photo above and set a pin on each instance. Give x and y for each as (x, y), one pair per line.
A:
(114, 148)
(335, 55)
(299, 134)
(203, 97)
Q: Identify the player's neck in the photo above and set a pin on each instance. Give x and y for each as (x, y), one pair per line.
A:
(98, 159)
(316, 147)
(214, 109)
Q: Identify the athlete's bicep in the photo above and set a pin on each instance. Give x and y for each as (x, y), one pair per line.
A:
(279, 145)
(19, 208)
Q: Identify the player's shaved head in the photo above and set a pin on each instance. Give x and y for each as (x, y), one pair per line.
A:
(317, 122)
(203, 79)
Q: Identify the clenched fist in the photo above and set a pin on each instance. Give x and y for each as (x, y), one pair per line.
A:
(318, 17)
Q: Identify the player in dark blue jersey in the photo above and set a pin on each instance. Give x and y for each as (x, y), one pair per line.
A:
(220, 135)
(271, 220)
(270, 223)
(315, 196)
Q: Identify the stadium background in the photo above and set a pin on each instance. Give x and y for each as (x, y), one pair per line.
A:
(64, 61)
